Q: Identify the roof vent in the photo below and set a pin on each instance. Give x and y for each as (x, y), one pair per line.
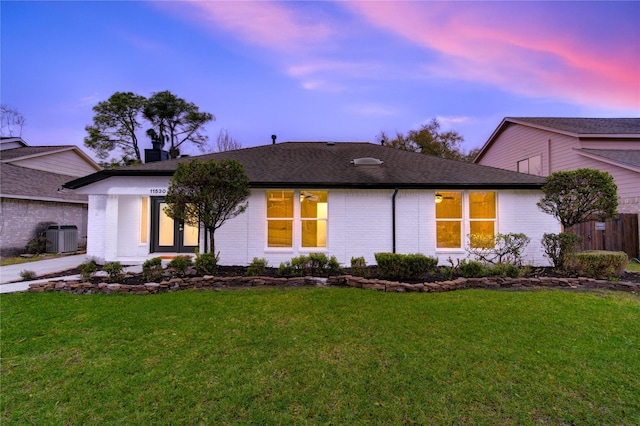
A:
(367, 161)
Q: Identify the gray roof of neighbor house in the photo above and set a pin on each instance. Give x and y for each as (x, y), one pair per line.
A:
(30, 184)
(331, 165)
(584, 126)
(581, 128)
(630, 157)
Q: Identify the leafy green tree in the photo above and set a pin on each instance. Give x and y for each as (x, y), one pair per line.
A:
(429, 139)
(579, 195)
(115, 125)
(175, 121)
(207, 193)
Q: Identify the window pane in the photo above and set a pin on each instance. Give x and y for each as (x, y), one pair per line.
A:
(481, 234)
(535, 165)
(166, 228)
(450, 207)
(523, 166)
(190, 235)
(144, 219)
(280, 204)
(448, 234)
(482, 205)
(314, 233)
(280, 233)
(313, 204)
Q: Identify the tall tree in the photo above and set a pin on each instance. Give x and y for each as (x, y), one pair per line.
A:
(429, 139)
(579, 195)
(12, 121)
(207, 193)
(175, 121)
(226, 142)
(115, 125)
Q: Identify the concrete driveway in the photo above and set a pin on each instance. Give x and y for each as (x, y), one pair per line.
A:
(10, 279)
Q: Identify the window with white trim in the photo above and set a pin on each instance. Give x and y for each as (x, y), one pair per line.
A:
(297, 218)
(470, 213)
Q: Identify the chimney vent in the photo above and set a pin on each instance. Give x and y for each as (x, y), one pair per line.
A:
(273, 138)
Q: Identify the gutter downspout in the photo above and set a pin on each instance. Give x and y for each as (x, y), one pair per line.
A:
(393, 218)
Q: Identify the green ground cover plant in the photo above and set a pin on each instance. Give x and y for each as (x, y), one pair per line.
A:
(321, 356)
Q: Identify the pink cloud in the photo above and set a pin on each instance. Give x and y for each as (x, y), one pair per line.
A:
(268, 24)
(509, 46)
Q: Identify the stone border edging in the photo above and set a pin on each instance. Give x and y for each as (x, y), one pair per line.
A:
(226, 283)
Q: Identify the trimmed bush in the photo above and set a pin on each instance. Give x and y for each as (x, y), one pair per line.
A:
(257, 267)
(471, 268)
(506, 270)
(37, 245)
(28, 275)
(599, 264)
(314, 264)
(359, 267)
(405, 266)
(181, 263)
(205, 264)
(558, 246)
(114, 269)
(87, 269)
(152, 269)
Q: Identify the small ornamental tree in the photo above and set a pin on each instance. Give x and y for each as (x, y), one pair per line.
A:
(207, 193)
(579, 195)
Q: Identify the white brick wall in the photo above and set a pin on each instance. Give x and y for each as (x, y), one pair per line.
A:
(359, 224)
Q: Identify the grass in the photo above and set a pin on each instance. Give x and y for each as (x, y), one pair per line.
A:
(321, 356)
(633, 266)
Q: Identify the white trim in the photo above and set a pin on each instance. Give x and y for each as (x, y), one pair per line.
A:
(49, 199)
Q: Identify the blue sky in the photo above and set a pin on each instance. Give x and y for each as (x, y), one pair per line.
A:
(318, 71)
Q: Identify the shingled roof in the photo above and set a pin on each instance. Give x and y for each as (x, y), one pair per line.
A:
(330, 165)
(31, 184)
(584, 126)
(629, 157)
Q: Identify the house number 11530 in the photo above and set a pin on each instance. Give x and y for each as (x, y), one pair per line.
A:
(158, 191)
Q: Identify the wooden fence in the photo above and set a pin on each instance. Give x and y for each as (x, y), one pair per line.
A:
(618, 234)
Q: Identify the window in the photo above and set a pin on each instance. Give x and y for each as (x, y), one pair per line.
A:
(532, 166)
(452, 221)
(313, 212)
(449, 220)
(307, 213)
(280, 218)
(482, 218)
(144, 219)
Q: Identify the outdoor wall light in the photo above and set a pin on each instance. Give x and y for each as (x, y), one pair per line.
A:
(438, 198)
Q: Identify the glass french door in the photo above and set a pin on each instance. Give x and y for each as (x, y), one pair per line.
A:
(170, 235)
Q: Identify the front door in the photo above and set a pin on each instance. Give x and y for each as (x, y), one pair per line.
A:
(170, 235)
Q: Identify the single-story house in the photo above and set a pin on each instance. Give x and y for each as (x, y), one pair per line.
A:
(343, 199)
(31, 192)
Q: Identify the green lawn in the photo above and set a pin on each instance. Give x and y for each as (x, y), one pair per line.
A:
(321, 356)
(633, 266)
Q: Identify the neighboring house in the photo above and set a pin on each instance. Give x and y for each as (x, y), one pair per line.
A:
(31, 192)
(342, 199)
(544, 145)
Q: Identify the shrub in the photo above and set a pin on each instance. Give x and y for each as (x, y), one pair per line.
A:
(37, 245)
(471, 268)
(205, 264)
(313, 264)
(503, 270)
(87, 269)
(558, 246)
(152, 269)
(28, 275)
(501, 248)
(359, 267)
(447, 272)
(405, 266)
(333, 267)
(114, 269)
(597, 263)
(181, 263)
(257, 267)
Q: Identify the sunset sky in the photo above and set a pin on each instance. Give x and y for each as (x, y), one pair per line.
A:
(320, 71)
